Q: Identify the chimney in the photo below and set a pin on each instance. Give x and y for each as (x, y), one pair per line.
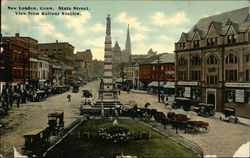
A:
(17, 34)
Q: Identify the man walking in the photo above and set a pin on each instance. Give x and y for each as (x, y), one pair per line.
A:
(69, 98)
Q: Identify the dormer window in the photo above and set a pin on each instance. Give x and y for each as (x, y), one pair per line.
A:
(196, 43)
(231, 39)
(182, 45)
(212, 41)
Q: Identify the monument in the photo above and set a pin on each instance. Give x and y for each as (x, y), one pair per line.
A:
(107, 94)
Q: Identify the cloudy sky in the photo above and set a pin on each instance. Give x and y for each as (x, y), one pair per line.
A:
(153, 24)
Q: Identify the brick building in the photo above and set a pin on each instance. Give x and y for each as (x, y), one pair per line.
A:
(82, 64)
(61, 51)
(15, 62)
(156, 68)
(212, 61)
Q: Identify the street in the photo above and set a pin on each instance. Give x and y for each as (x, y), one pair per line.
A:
(222, 140)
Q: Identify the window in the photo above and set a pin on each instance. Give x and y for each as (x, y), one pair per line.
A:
(196, 60)
(231, 39)
(162, 67)
(60, 52)
(231, 59)
(231, 75)
(182, 75)
(247, 58)
(196, 43)
(247, 75)
(211, 60)
(196, 75)
(182, 45)
(212, 41)
(212, 79)
(229, 96)
(182, 62)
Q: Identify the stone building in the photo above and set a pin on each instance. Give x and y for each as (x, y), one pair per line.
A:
(61, 51)
(82, 64)
(212, 61)
(121, 56)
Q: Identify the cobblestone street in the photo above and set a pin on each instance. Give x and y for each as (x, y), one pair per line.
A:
(222, 140)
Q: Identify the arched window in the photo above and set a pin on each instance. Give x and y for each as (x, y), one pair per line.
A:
(196, 60)
(231, 59)
(182, 62)
(211, 60)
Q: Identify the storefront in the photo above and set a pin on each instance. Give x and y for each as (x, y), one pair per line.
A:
(188, 90)
(237, 95)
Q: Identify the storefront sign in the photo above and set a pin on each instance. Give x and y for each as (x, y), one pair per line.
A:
(239, 96)
(187, 92)
(246, 85)
(182, 83)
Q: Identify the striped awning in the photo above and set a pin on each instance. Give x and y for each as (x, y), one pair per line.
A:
(155, 84)
(169, 85)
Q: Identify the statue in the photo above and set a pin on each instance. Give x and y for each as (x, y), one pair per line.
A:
(101, 84)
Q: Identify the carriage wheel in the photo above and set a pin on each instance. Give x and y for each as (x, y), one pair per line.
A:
(206, 129)
(231, 120)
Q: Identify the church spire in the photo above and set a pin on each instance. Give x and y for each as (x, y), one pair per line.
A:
(128, 43)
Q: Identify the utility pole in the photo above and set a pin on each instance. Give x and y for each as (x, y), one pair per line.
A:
(158, 78)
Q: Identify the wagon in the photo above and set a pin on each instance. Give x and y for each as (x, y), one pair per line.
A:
(35, 142)
(40, 96)
(229, 115)
(197, 125)
(182, 102)
(205, 110)
(75, 89)
(55, 122)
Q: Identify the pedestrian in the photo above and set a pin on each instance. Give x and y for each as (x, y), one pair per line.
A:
(128, 89)
(69, 98)
(119, 92)
(162, 98)
(18, 101)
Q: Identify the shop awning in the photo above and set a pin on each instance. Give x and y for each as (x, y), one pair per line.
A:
(155, 84)
(169, 85)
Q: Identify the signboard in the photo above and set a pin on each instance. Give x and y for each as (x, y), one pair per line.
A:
(187, 83)
(187, 92)
(239, 96)
(245, 85)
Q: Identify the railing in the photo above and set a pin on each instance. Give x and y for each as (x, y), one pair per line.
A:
(187, 143)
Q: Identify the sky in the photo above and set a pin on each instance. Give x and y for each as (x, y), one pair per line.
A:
(153, 24)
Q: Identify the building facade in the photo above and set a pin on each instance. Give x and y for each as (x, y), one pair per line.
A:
(43, 71)
(156, 68)
(82, 64)
(14, 68)
(212, 61)
(61, 51)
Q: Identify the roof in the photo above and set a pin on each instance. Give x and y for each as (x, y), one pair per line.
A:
(34, 132)
(116, 48)
(238, 18)
(150, 59)
(165, 58)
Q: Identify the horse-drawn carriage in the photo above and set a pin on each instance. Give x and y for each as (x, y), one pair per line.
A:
(55, 122)
(75, 89)
(204, 109)
(40, 96)
(35, 142)
(179, 102)
(87, 93)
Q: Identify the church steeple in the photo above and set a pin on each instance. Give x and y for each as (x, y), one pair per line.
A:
(128, 43)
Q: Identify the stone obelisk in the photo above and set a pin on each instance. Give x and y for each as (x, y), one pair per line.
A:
(108, 91)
